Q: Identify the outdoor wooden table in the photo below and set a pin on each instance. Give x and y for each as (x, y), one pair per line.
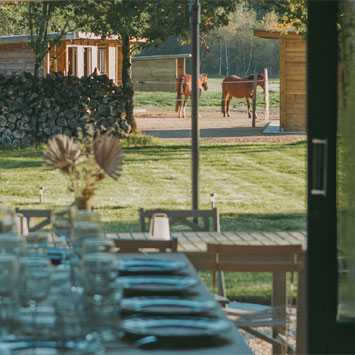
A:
(235, 343)
(194, 246)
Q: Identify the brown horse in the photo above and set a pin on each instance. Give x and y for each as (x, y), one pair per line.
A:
(234, 86)
(183, 87)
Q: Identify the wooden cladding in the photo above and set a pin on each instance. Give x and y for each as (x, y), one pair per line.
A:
(78, 57)
(293, 88)
(157, 73)
(16, 58)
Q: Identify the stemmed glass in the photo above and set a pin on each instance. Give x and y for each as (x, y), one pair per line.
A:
(98, 271)
(9, 272)
(35, 280)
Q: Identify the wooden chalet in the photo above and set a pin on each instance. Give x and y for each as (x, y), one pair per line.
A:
(293, 86)
(77, 53)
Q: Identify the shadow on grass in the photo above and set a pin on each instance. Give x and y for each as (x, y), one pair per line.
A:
(20, 164)
(231, 222)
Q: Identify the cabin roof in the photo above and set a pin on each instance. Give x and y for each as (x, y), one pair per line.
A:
(67, 37)
(262, 33)
(168, 56)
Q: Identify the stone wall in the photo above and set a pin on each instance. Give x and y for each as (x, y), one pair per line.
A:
(40, 108)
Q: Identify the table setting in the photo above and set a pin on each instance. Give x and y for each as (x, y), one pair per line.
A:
(93, 300)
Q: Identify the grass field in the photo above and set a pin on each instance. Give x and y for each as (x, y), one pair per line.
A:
(211, 97)
(258, 187)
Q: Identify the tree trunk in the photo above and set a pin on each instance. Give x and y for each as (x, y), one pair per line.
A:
(127, 83)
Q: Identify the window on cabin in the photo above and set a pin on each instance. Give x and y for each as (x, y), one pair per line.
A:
(87, 61)
(72, 61)
(101, 60)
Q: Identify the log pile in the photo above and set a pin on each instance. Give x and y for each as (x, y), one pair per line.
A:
(36, 109)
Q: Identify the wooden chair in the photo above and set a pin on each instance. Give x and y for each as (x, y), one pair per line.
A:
(196, 220)
(43, 215)
(144, 245)
(269, 258)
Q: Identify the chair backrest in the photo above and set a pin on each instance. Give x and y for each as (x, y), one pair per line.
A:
(43, 215)
(197, 220)
(249, 258)
(146, 245)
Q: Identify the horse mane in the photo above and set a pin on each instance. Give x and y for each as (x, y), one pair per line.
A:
(250, 77)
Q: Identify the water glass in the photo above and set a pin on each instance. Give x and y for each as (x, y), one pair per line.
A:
(98, 245)
(37, 244)
(9, 273)
(7, 220)
(35, 279)
(98, 272)
(71, 315)
(83, 230)
(12, 244)
(39, 323)
(62, 222)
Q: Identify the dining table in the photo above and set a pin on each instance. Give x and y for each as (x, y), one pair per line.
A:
(231, 342)
(194, 246)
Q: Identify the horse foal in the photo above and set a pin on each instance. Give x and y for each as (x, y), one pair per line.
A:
(184, 87)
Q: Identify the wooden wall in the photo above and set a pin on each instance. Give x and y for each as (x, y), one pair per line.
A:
(293, 87)
(16, 57)
(156, 74)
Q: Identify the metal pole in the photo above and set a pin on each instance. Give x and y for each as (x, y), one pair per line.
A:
(195, 98)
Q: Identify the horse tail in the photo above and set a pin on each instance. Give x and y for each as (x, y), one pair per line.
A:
(179, 90)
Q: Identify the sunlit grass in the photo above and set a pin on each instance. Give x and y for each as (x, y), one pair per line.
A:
(257, 186)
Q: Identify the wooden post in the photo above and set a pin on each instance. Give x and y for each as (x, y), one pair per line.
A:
(266, 78)
(254, 99)
(195, 19)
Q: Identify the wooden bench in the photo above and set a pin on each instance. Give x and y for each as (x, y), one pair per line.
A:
(44, 215)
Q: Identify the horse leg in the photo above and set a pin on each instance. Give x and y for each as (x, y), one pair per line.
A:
(228, 104)
(223, 105)
(184, 107)
(248, 105)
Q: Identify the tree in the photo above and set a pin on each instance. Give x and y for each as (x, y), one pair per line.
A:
(154, 21)
(291, 13)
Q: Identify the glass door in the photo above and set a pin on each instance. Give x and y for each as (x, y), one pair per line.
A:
(331, 177)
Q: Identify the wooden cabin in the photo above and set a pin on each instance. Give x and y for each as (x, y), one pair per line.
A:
(78, 53)
(158, 73)
(293, 82)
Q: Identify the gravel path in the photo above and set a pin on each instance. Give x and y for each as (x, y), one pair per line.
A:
(164, 124)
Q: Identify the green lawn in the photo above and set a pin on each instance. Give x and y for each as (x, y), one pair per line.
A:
(210, 98)
(258, 187)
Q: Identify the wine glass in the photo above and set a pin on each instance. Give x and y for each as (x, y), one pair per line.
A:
(9, 272)
(99, 270)
(12, 244)
(35, 281)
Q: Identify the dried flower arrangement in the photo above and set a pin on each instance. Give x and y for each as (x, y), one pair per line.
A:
(86, 161)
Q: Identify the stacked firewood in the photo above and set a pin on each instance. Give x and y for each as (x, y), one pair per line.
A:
(33, 110)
